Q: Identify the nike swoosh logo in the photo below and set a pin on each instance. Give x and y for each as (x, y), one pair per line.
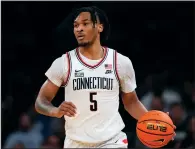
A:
(78, 70)
(159, 140)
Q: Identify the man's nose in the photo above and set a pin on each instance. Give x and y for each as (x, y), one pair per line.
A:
(80, 28)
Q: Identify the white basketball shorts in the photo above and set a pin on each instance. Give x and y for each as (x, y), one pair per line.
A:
(118, 141)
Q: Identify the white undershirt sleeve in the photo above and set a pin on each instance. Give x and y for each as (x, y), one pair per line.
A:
(58, 71)
(126, 73)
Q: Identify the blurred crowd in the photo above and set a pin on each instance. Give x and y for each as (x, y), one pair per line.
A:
(38, 131)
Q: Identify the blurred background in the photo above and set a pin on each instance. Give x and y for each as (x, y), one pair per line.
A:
(157, 36)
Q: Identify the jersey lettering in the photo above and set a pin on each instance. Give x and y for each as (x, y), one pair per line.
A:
(92, 83)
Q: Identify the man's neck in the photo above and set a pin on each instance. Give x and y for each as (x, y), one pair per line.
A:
(94, 51)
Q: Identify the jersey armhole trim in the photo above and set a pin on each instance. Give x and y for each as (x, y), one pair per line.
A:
(115, 66)
(69, 70)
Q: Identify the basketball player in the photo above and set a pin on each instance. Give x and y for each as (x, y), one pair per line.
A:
(92, 76)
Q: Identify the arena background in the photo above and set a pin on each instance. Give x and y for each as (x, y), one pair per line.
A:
(156, 36)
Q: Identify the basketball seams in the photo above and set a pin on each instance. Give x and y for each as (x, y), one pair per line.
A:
(155, 120)
(154, 133)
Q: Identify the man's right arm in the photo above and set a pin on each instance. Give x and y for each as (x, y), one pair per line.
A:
(56, 75)
(46, 94)
(44, 106)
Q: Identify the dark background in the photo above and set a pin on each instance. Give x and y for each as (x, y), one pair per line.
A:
(157, 36)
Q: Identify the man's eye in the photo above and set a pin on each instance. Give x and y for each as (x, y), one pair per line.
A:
(75, 25)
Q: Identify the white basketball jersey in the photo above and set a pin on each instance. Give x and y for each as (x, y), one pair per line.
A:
(95, 92)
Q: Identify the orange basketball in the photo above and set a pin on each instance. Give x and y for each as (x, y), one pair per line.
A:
(155, 129)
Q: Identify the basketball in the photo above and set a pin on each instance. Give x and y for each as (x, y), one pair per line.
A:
(155, 129)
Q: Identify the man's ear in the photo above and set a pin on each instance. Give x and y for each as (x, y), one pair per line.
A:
(100, 28)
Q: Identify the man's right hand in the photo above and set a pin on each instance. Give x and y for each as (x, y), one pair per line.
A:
(65, 108)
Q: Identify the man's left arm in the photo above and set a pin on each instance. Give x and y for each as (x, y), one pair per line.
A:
(132, 105)
(128, 85)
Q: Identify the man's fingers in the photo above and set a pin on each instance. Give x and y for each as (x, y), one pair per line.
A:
(66, 109)
(174, 134)
(70, 104)
(71, 112)
(73, 105)
(68, 114)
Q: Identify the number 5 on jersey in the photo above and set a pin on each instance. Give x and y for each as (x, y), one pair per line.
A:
(93, 106)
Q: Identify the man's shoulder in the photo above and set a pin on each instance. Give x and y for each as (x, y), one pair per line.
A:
(119, 55)
(64, 55)
(72, 50)
(71, 53)
(123, 58)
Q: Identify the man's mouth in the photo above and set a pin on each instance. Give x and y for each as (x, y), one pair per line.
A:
(80, 37)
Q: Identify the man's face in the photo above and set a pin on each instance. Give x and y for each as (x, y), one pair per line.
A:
(177, 112)
(157, 104)
(25, 122)
(85, 31)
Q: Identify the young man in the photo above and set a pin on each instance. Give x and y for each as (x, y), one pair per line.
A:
(92, 76)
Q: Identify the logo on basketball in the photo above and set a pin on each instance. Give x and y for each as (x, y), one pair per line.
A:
(156, 142)
(159, 127)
